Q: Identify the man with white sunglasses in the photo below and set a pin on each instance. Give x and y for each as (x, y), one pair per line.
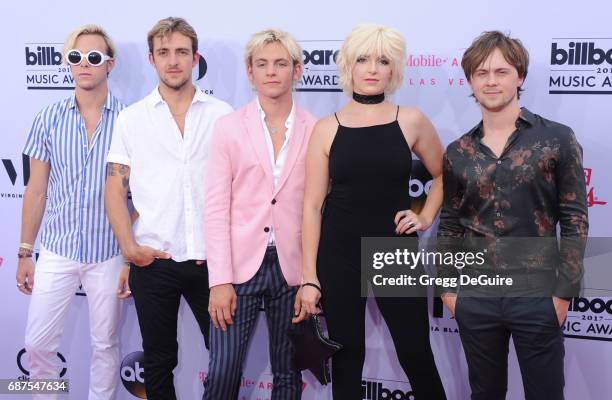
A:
(67, 144)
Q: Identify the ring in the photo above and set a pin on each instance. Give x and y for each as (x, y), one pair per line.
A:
(20, 285)
(411, 225)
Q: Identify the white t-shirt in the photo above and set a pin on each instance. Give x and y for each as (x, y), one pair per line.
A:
(167, 170)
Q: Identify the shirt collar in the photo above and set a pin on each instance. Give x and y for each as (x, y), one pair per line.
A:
(155, 97)
(288, 122)
(524, 120)
(527, 116)
(199, 96)
(109, 104)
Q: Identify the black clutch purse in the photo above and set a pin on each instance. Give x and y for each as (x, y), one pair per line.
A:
(312, 348)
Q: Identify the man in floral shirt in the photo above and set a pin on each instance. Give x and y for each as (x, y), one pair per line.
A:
(508, 182)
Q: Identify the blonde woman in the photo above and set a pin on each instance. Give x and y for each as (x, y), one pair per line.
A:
(358, 163)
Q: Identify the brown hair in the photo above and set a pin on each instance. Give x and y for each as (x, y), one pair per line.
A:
(164, 27)
(512, 49)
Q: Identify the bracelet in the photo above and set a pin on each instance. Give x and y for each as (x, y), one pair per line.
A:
(26, 246)
(314, 285)
(24, 255)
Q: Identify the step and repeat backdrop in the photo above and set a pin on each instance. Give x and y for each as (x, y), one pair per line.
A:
(570, 80)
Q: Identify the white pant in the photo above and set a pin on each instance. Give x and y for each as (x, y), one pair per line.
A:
(56, 279)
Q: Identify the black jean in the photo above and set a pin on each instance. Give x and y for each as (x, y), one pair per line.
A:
(486, 325)
(157, 291)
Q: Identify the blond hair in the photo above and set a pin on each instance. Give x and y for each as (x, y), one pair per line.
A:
(260, 39)
(165, 27)
(376, 41)
(90, 29)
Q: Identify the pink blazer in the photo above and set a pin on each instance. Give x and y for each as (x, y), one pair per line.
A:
(242, 203)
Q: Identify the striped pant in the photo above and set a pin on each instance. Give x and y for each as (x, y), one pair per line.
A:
(228, 349)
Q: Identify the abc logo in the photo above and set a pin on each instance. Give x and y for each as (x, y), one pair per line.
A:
(132, 374)
(62, 359)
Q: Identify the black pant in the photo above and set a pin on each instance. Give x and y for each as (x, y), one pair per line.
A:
(408, 323)
(486, 324)
(157, 291)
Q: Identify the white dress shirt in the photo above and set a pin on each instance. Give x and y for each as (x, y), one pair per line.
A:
(278, 163)
(167, 170)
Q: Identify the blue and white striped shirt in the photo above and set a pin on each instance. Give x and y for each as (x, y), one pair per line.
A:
(77, 226)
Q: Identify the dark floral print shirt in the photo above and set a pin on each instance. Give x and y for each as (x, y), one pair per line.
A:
(536, 183)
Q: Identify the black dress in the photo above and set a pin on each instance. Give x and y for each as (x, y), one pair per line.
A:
(369, 168)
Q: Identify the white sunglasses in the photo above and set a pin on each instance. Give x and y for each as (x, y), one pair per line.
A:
(94, 57)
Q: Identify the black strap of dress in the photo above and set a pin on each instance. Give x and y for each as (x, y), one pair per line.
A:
(396, 115)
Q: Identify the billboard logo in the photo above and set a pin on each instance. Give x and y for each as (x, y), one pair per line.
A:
(579, 53)
(580, 66)
(589, 318)
(419, 185)
(320, 71)
(44, 69)
(42, 55)
(373, 390)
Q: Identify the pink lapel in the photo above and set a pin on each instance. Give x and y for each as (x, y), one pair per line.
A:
(256, 135)
(295, 145)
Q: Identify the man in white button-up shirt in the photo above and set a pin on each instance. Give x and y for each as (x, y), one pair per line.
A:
(159, 152)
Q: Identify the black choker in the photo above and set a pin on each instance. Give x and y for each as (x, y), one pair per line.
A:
(367, 99)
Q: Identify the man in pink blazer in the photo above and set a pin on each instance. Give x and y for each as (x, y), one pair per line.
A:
(254, 197)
